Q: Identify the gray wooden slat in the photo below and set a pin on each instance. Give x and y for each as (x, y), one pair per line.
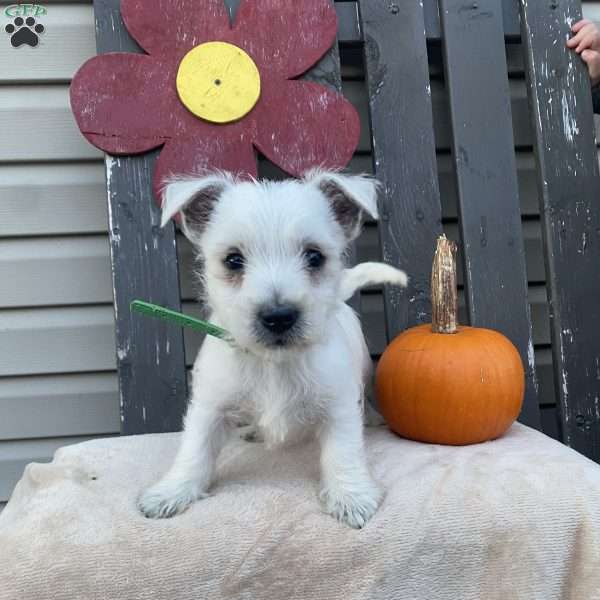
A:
(545, 371)
(550, 421)
(349, 26)
(519, 111)
(58, 198)
(569, 190)
(150, 354)
(404, 150)
(59, 405)
(514, 60)
(350, 30)
(232, 8)
(486, 173)
(527, 179)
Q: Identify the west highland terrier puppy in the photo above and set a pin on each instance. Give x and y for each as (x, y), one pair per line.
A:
(272, 265)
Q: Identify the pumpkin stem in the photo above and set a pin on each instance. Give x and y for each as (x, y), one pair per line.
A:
(444, 295)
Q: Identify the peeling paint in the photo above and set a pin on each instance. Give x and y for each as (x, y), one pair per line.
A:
(570, 126)
(531, 364)
(565, 390)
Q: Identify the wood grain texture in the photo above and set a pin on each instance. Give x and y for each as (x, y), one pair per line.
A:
(493, 252)
(561, 110)
(150, 354)
(351, 30)
(403, 151)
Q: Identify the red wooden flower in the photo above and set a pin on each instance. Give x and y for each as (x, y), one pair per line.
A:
(130, 103)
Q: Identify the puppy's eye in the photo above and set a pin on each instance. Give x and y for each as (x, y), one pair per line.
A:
(234, 261)
(314, 259)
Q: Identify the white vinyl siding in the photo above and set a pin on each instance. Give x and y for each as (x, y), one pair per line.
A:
(57, 379)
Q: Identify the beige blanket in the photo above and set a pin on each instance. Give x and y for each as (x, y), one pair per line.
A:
(514, 519)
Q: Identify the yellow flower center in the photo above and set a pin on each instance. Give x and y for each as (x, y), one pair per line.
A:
(218, 82)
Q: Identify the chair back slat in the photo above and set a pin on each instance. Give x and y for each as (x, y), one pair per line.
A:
(403, 151)
(150, 353)
(483, 149)
(350, 28)
(569, 191)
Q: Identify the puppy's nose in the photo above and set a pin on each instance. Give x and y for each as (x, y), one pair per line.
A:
(278, 319)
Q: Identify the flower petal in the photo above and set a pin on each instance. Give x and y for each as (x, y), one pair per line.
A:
(301, 125)
(164, 27)
(195, 156)
(286, 37)
(125, 103)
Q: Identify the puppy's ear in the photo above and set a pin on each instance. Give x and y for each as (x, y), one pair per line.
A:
(194, 199)
(352, 198)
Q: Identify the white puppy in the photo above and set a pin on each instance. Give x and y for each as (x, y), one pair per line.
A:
(274, 277)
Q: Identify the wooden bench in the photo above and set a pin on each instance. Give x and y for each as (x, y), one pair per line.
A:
(480, 41)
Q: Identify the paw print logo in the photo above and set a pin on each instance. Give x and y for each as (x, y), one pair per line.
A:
(24, 31)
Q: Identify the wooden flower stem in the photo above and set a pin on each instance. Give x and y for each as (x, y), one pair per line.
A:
(444, 295)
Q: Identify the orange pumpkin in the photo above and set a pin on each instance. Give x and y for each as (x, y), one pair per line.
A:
(446, 384)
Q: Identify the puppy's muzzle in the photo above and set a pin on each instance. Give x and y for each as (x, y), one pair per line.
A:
(278, 320)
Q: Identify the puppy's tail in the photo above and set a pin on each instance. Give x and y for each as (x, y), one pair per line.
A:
(370, 273)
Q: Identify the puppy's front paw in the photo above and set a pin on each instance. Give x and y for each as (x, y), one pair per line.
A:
(353, 508)
(167, 498)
